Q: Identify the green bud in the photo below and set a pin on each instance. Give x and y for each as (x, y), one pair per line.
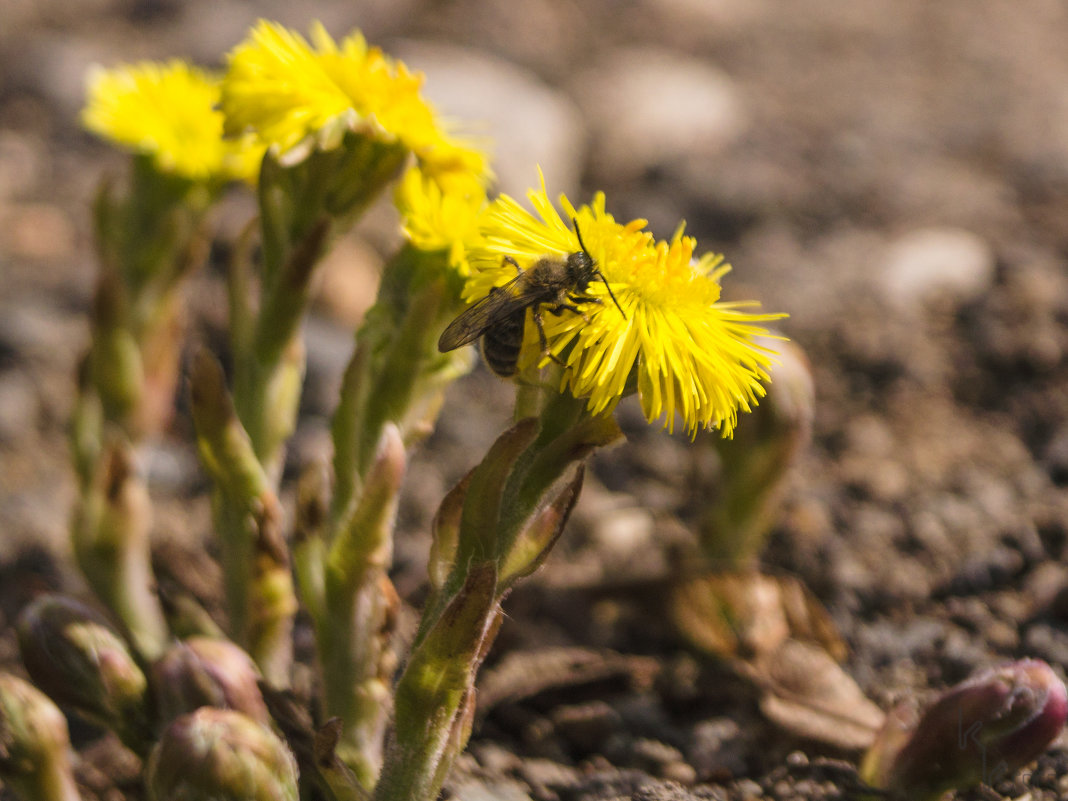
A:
(77, 658)
(204, 671)
(981, 730)
(755, 462)
(34, 744)
(220, 755)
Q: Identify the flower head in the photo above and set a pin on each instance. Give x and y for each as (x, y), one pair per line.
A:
(687, 351)
(287, 91)
(442, 218)
(167, 111)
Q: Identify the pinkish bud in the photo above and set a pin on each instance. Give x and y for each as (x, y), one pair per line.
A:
(202, 671)
(222, 755)
(72, 653)
(981, 730)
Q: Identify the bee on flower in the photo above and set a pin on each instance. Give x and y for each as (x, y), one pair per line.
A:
(655, 324)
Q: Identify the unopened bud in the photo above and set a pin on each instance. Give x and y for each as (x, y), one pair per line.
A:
(79, 660)
(207, 672)
(34, 744)
(757, 459)
(220, 755)
(981, 730)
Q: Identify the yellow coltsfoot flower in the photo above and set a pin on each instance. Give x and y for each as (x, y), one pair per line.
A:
(168, 111)
(671, 337)
(437, 218)
(296, 95)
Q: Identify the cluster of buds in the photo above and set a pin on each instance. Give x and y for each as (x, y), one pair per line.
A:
(196, 714)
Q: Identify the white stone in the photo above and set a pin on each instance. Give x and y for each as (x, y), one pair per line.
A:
(524, 122)
(927, 262)
(650, 106)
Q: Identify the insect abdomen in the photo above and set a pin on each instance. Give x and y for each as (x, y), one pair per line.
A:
(501, 344)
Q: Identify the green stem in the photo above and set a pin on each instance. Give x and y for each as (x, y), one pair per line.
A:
(249, 518)
(111, 544)
(356, 622)
(431, 693)
(515, 504)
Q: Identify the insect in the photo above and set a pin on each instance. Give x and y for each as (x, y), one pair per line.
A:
(499, 318)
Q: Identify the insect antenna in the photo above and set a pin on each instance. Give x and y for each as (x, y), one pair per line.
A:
(599, 274)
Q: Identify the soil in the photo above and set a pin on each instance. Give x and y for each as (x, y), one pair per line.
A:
(929, 514)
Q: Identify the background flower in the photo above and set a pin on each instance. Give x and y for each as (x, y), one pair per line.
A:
(437, 218)
(167, 111)
(286, 90)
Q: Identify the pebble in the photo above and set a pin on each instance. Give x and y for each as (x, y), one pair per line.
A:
(717, 749)
(36, 329)
(54, 66)
(587, 725)
(525, 122)
(22, 164)
(37, 231)
(622, 532)
(698, 16)
(348, 281)
(171, 467)
(749, 789)
(650, 107)
(490, 791)
(18, 406)
(1046, 642)
(929, 262)
(329, 345)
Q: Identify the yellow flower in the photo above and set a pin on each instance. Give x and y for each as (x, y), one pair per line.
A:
(287, 91)
(438, 218)
(686, 351)
(167, 111)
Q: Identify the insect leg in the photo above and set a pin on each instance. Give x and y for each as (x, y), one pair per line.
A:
(514, 263)
(560, 308)
(585, 299)
(542, 340)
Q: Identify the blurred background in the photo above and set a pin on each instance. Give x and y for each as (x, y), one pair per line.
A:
(891, 173)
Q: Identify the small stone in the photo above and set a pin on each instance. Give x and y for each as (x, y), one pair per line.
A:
(928, 262)
(716, 749)
(650, 108)
(624, 531)
(21, 164)
(524, 121)
(37, 231)
(18, 406)
(348, 281)
(749, 790)
(679, 772)
(586, 726)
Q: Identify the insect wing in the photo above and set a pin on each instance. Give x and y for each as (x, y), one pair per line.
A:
(476, 319)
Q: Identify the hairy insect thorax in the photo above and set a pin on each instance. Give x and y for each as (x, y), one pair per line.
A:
(580, 270)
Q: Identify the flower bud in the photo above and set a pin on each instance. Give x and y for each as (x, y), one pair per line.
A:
(203, 671)
(756, 460)
(77, 658)
(34, 744)
(220, 755)
(981, 730)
